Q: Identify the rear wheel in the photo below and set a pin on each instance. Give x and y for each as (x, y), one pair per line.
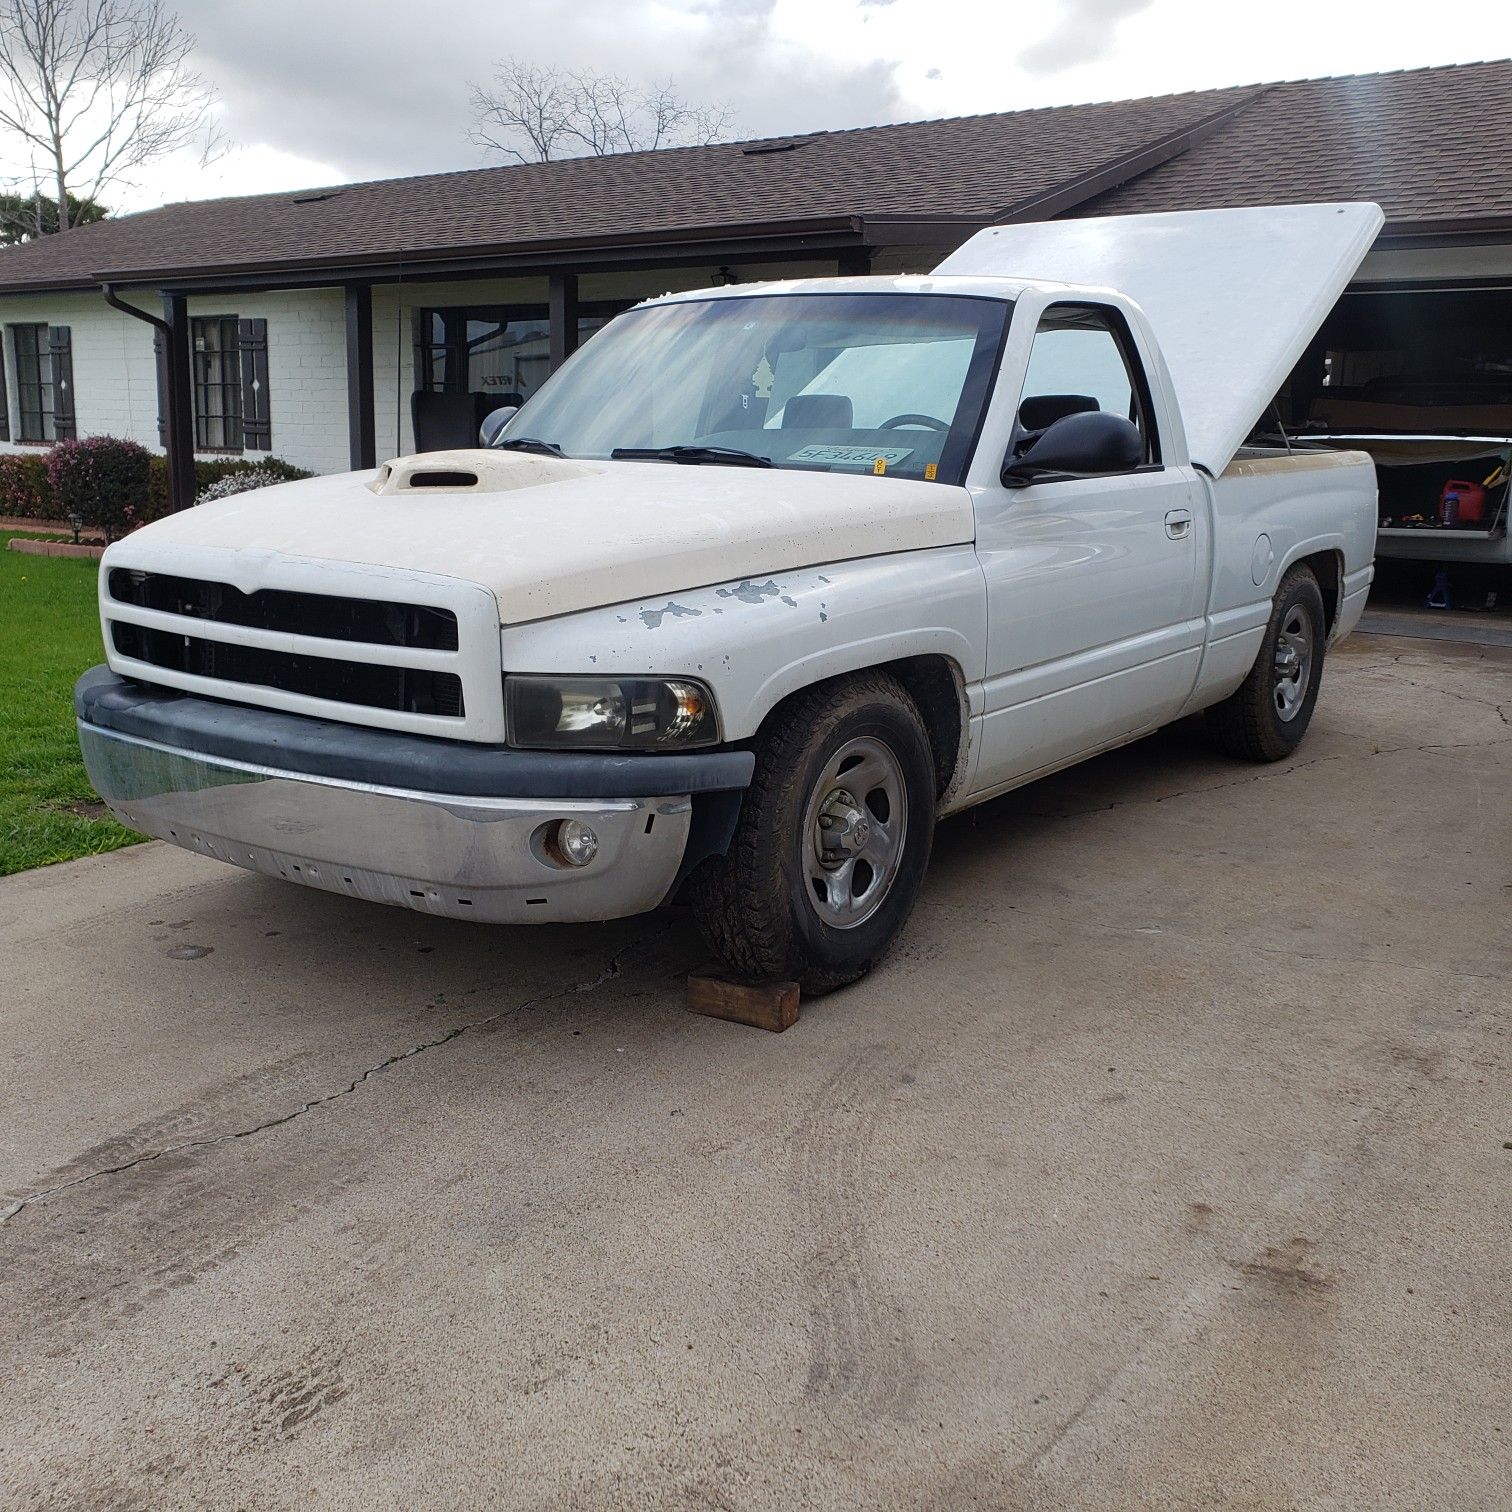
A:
(1266, 718)
(833, 838)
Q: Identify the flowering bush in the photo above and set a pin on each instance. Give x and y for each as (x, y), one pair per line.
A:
(259, 475)
(29, 489)
(206, 473)
(24, 489)
(103, 479)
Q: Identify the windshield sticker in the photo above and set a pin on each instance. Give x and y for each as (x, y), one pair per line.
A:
(930, 469)
(879, 466)
(865, 456)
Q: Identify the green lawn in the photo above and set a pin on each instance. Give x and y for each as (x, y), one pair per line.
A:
(49, 634)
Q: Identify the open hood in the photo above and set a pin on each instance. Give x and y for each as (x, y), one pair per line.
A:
(1234, 296)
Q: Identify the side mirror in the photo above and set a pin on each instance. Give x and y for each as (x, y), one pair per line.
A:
(1088, 444)
(495, 421)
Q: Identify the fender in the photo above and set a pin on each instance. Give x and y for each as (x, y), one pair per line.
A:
(755, 641)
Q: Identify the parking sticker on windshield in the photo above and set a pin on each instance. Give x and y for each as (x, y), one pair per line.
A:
(865, 456)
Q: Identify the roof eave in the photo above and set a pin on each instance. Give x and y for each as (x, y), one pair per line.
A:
(584, 254)
(769, 239)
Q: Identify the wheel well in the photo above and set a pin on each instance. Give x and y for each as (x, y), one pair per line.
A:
(1327, 567)
(934, 685)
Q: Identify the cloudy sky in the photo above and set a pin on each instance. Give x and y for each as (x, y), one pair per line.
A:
(321, 91)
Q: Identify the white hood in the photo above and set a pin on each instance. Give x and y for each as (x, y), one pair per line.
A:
(1234, 296)
(551, 537)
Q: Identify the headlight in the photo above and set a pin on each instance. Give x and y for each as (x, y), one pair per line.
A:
(609, 713)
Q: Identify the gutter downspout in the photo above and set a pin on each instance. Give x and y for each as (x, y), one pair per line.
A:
(178, 419)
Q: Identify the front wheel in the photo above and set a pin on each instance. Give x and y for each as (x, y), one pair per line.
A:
(1266, 718)
(833, 838)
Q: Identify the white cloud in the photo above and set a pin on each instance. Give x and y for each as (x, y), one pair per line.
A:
(371, 88)
(1081, 31)
(254, 168)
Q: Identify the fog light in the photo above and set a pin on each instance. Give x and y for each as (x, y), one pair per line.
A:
(577, 842)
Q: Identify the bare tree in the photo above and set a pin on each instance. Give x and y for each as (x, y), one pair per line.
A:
(97, 88)
(531, 114)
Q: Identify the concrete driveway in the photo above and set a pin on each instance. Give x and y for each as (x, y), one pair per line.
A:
(1165, 1164)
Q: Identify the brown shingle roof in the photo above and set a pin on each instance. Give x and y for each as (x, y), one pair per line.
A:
(972, 166)
(1432, 145)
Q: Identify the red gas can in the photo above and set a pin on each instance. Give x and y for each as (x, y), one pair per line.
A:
(1461, 503)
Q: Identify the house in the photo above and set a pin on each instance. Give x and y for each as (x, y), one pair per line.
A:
(326, 326)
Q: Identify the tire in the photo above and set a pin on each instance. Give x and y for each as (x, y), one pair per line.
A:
(818, 881)
(1266, 718)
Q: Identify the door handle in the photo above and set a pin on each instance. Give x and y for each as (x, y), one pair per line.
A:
(1178, 523)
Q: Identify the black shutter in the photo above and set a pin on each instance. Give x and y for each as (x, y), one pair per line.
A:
(160, 362)
(60, 343)
(257, 422)
(5, 434)
(421, 378)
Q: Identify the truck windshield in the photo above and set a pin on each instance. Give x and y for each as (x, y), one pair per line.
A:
(863, 383)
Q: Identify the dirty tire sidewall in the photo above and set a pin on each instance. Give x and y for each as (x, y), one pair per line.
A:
(753, 904)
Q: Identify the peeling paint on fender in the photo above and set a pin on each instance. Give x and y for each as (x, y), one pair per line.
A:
(652, 618)
(750, 593)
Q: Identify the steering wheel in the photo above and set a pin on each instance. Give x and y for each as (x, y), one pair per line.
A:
(927, 421)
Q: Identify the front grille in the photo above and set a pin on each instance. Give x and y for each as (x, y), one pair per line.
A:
(410, 690)
(331, 617)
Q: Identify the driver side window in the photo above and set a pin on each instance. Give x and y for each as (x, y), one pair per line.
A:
(1081, 361)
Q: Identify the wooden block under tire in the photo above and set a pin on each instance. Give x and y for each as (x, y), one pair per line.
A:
(762, 1005)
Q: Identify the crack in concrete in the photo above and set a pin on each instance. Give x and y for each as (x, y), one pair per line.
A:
(1498, 708)
(610, 971)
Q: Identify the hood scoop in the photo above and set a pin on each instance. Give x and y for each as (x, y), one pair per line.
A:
(474, 472)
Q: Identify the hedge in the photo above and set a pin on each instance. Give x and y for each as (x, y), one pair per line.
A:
(24, 489)
(26, 493)
(206, 473)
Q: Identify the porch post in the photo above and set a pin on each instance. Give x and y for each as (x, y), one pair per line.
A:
(562, 301)
(178, 398)
(361, 439)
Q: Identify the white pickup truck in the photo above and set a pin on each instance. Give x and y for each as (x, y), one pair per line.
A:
(763, 582)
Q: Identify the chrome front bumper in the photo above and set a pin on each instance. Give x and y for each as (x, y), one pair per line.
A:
(468, 856)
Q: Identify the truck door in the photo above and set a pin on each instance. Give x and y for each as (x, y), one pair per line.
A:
(1094, 597)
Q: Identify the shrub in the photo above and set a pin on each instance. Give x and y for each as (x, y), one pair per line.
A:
(24, 489)
(274, 469)
(260, 476)
(102, 478)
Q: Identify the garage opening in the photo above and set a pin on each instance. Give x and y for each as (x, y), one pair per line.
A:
(1421, 379)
